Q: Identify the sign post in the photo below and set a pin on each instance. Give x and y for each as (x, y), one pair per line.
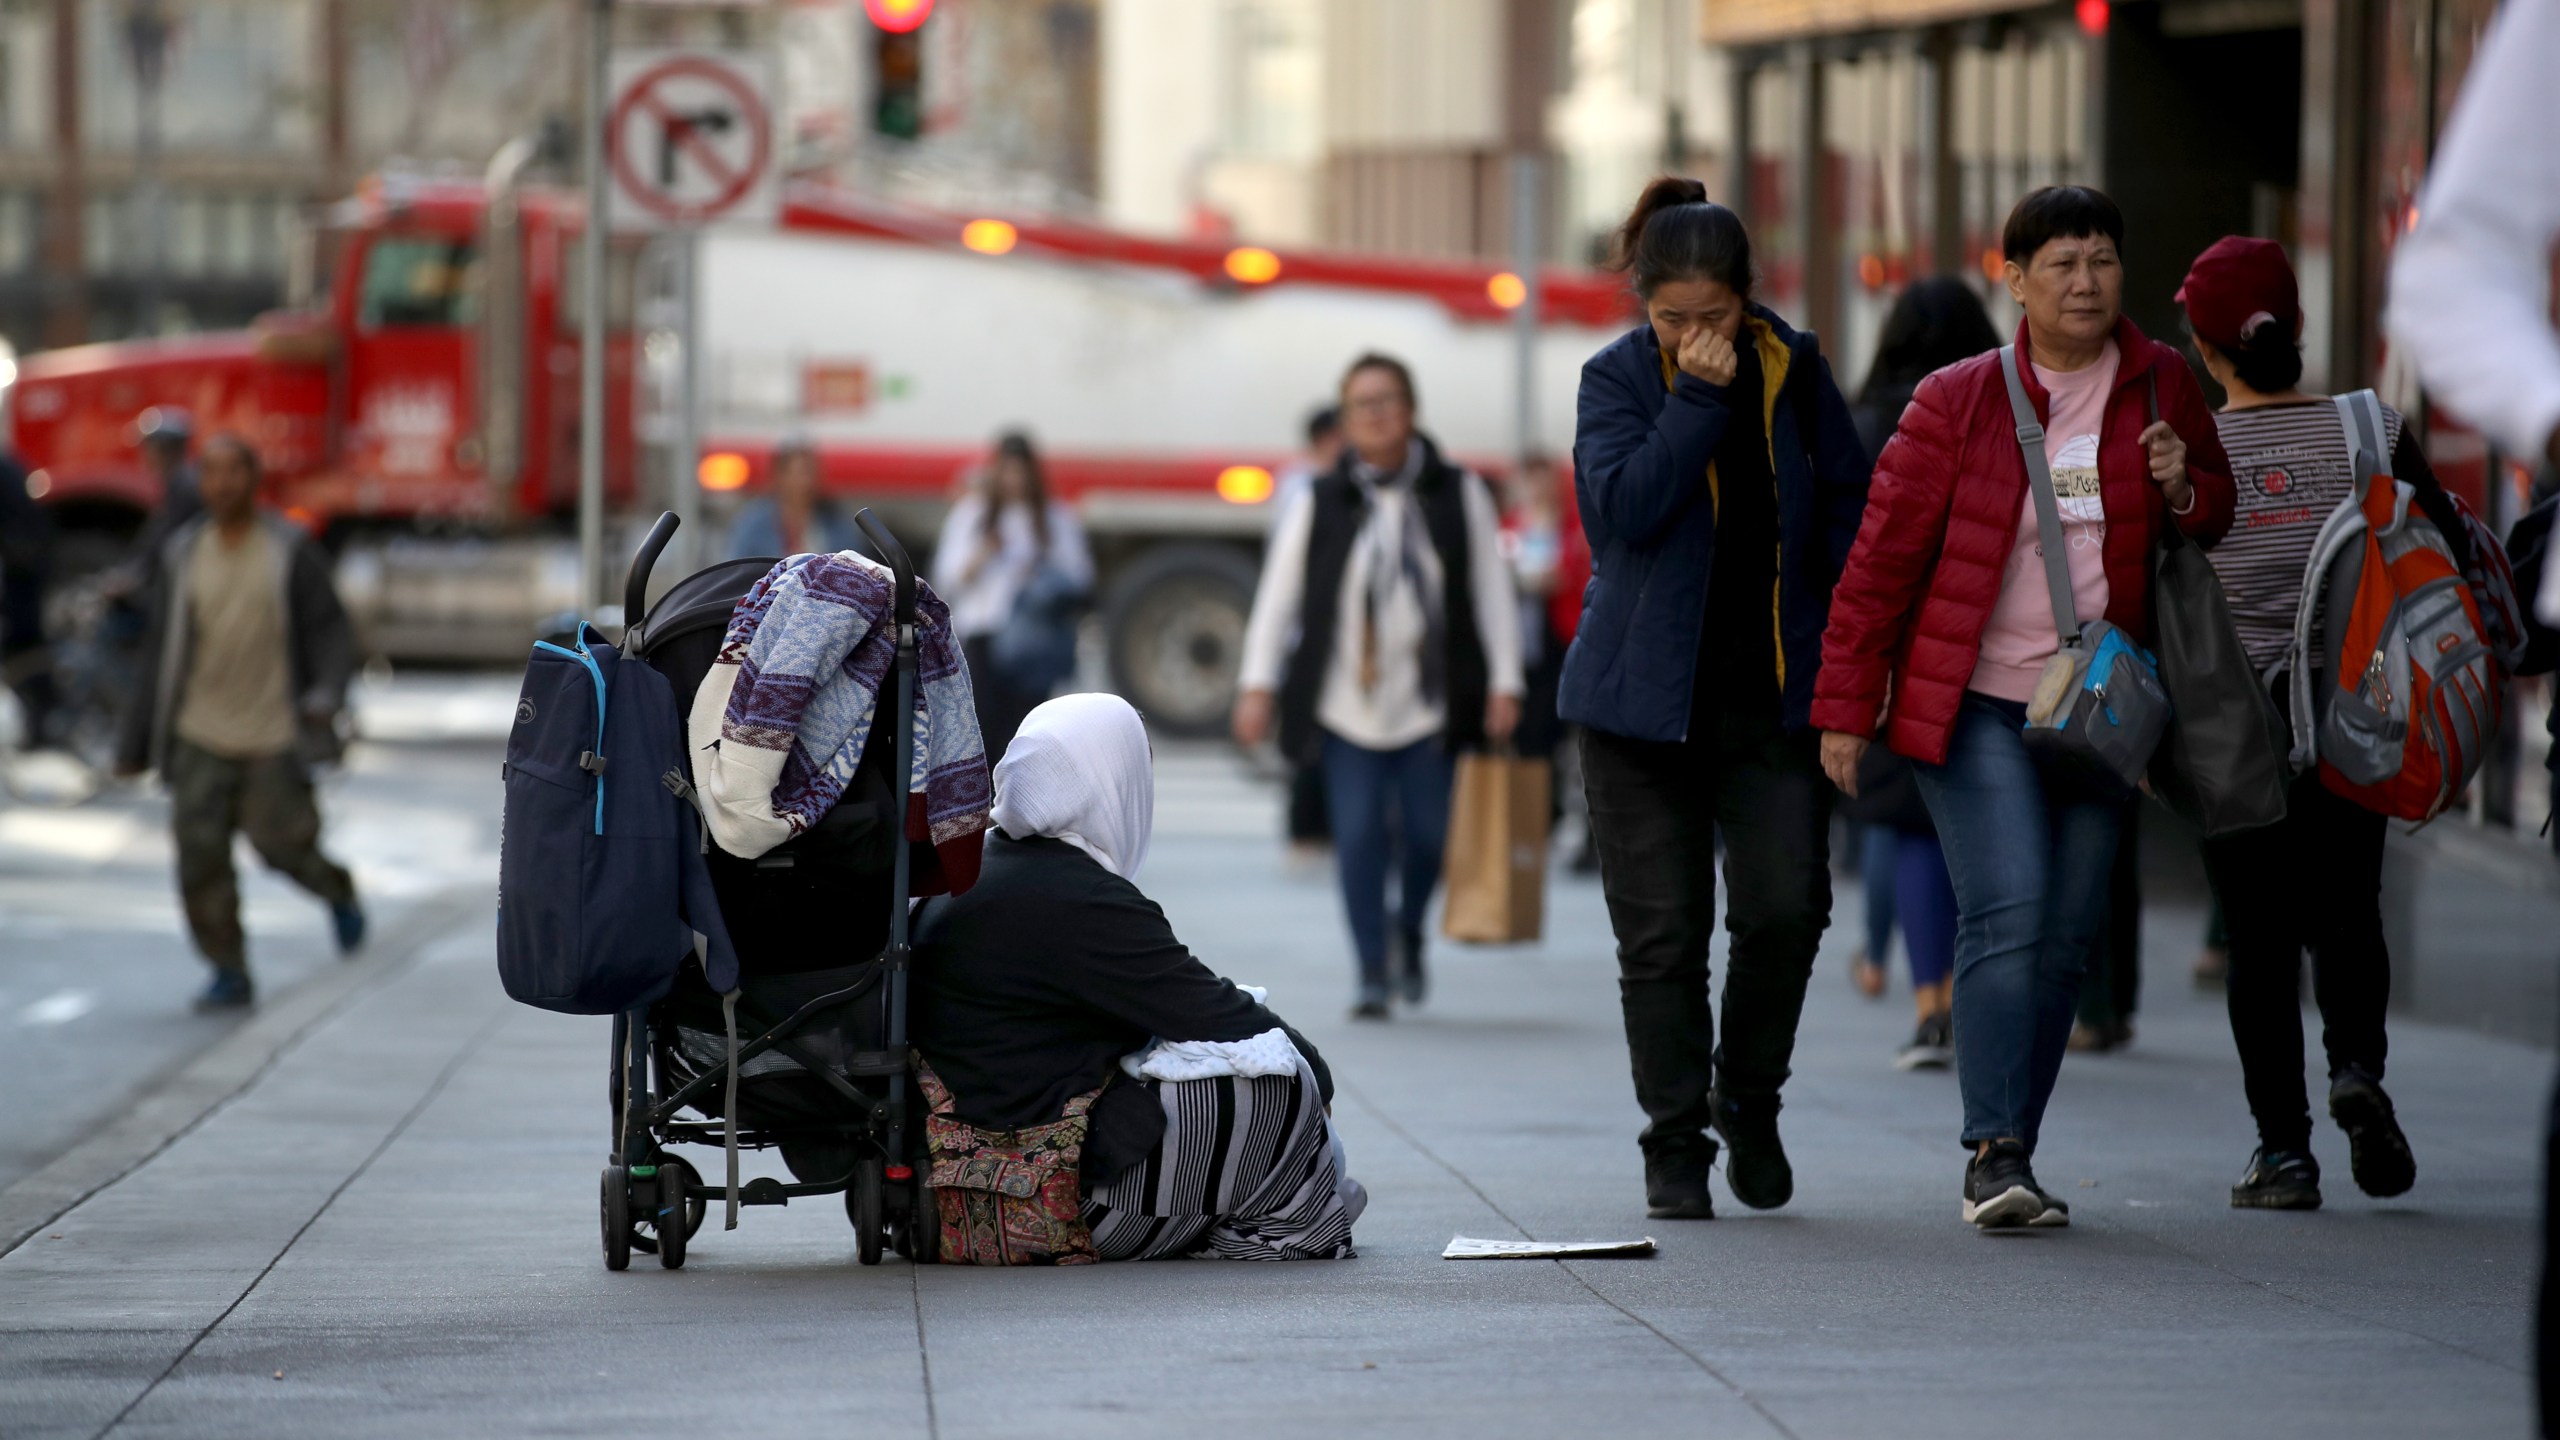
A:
(689, 140)
(591, 330)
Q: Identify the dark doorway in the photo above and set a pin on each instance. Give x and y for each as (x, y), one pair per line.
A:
(2203, 138)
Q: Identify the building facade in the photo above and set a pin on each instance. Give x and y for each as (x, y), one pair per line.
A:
(1402, 126)
(1888, 138)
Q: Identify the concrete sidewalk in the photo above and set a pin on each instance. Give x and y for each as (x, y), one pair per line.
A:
(393, 1232)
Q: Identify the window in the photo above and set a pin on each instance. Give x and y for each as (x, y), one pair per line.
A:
(415, 281)
(1272, 80)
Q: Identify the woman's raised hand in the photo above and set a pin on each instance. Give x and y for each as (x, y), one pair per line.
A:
(1709, 356)
(1841, 753)
(2168, 455)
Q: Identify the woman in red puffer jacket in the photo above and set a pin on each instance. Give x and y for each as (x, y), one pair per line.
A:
(1943, 621)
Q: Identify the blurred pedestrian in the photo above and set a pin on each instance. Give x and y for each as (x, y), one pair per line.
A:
(1013, 566)
(26, 569)
(1389, 569)
(2102, 1021)
(246, 671)
(1542, 542)
(164, 440)
(2312, 881)
(2470, 298)
(1309, 832)
(1945, 608)
(793, 517)
(2470, 306)
(1721, 481)
(1933, 324)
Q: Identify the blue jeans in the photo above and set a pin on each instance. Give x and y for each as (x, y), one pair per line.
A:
(1926, 902)
(1361, 788)
(2029, 847)
(1876, 877)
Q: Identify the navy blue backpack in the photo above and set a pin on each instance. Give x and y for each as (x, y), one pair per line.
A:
(601, 877)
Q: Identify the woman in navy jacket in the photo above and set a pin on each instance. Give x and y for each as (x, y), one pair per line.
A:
(1721, 483)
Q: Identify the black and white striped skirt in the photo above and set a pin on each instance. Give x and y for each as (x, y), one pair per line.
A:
(1249, 1170)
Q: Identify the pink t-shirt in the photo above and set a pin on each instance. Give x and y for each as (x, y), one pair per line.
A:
(2021, 635)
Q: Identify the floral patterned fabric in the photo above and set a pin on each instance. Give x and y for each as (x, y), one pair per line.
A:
(1007, 1197)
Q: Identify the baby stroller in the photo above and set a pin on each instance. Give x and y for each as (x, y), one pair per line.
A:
(813, 1062)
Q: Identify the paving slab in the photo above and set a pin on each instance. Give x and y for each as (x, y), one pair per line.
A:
(393, 1232)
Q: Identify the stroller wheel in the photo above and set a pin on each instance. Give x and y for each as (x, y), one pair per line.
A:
(915, 1231)
(668, 1218)
(697, 1207)
(614, 1211)
(862, 1206)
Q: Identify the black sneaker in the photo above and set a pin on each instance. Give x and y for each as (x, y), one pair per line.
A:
(1755, 1164)
(2278, 1180)
(2376, 1150)
(228, 990)
(1370, 1010)
(1675, 1182)
(2000, 1191)
(1932, 1047)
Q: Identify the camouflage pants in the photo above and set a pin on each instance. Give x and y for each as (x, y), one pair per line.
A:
(267, 798)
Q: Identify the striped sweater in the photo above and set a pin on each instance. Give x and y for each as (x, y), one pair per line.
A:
(2290, 464)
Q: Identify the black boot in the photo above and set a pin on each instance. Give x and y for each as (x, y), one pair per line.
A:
(1755, 1163)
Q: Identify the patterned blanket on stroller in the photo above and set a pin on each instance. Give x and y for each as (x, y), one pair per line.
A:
(779, 724)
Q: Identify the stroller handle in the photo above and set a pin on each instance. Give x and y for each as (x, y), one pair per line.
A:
(894, 555)
(635, 586)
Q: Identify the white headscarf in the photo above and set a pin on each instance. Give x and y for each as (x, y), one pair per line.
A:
(1080, 769)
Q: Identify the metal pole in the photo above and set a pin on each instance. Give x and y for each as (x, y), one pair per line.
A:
(687, 441)
(147, 29)
(591, 302)
(1526, 234)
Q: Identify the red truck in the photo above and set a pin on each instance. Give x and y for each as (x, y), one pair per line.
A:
(417, 403)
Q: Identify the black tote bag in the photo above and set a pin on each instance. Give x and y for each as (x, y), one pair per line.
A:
(2222, 765)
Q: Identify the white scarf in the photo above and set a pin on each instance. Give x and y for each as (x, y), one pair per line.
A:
(1080, 770)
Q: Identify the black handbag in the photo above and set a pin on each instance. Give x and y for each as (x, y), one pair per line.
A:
(1888, 793)
(2222, 765)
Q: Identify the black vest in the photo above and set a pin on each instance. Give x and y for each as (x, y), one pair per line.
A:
(1341, 509)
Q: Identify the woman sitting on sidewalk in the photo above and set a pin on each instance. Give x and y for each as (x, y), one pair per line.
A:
(1053, 998)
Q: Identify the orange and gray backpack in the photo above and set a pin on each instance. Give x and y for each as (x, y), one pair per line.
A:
(2396, 688)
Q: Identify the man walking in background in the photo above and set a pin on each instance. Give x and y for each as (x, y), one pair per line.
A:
(242, 681)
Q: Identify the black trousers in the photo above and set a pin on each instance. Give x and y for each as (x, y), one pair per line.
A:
(2113, 990)
(1655, 812)
(1001, 708)
(2310, 882)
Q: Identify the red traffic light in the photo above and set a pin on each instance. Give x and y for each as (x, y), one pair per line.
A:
(898, 17)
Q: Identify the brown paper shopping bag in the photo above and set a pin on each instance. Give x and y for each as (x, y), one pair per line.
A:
(1497, 863)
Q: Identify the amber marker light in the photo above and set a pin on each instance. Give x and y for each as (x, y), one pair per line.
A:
(988, 237)
(1252, 265)
(1507, 290)
(1244, 484)
(723, 470)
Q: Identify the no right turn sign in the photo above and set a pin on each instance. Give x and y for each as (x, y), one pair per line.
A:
(689, 139)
